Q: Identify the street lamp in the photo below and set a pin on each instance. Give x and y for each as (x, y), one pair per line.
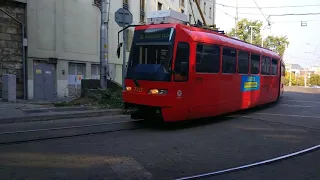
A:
(251, 33)
(262, 33)
(305, 69)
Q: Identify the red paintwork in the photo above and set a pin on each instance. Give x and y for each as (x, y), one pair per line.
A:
(205, 94)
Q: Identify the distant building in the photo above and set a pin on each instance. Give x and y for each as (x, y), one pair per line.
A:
(294, 68)
(315, 69)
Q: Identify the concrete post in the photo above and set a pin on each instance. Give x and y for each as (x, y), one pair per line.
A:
(9, 88)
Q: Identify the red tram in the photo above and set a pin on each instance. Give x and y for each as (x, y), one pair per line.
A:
(179, 72)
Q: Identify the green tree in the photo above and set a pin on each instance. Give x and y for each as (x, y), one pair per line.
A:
(295, 80)
(244, 31)
(315, 79)
(277, 43)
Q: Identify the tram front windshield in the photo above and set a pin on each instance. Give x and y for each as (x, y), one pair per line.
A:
(151, 55)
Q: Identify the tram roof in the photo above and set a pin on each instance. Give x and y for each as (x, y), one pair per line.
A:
(210, 36)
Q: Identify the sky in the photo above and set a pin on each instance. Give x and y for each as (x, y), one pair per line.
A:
(304, 47)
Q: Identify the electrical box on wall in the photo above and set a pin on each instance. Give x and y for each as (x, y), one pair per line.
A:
(167, 16)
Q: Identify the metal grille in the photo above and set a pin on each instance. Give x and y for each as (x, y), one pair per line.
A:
(75, 74)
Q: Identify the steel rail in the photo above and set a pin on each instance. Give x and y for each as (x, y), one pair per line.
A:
(291, 155)
(65, 128)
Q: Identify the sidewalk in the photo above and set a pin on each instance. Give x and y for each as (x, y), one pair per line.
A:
(24, 111)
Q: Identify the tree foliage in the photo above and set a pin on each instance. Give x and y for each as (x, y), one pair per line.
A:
(315, 79)
(244, 31)
(276, 43)
(295, 80)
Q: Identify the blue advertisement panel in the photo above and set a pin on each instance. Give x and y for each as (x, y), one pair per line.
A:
(250, 83)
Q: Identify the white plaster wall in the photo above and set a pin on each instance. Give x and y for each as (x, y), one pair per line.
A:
(63, 29)
(70, 30)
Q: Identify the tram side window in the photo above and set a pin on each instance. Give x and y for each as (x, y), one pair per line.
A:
(265, 65)
(255, 64)
(243, 62)
(208, 58)
(274, 67)
(229, 60)
(283, 70)
(182, 57)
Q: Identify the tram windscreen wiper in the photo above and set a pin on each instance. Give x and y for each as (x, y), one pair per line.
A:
(136, 82)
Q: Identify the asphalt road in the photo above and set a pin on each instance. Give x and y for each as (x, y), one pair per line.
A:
(184, 150)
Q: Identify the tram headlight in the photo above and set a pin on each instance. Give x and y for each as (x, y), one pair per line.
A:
(128, 88)
(158, 91)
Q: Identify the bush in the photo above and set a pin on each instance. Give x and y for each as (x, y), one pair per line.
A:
(110, 99)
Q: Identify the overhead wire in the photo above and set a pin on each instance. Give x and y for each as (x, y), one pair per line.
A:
(269, 23)
(268, 7)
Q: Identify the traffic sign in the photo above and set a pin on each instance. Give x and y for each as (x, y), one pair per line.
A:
(123, 17)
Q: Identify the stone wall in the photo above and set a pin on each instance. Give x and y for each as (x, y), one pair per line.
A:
(11, 42)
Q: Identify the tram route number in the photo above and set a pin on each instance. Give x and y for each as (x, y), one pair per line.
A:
(137, 89)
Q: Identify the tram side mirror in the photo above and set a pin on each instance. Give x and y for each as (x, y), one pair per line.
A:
(118, 50)
(184, 68)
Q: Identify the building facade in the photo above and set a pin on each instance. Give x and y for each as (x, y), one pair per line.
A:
(63, 40)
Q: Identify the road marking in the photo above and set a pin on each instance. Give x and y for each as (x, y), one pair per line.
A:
(253, 164)
(289, 115)
(128, 168)
(290, 105)
(304, 101)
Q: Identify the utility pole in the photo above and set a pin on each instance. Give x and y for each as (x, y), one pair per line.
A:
(305, 74)
(214, 11)
(103, 45)
(236, 20)
(290, 77)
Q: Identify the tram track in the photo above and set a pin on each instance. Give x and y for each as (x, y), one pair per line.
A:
(252, 165)
(33, 135)
(258, 163)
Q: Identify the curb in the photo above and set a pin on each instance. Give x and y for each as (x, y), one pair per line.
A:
(65, 115)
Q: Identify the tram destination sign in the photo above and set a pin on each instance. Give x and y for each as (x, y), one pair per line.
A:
(154, 35)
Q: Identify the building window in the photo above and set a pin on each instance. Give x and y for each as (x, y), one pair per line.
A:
(265, 66)
(229, 60)
(243, 62)
(208, 58)
(159, 6)
(181, 3)
(255, 64)
(274, 67)
(95, 71)
(204, 7)
(76, 72)
(142, 11)
(210, 12)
